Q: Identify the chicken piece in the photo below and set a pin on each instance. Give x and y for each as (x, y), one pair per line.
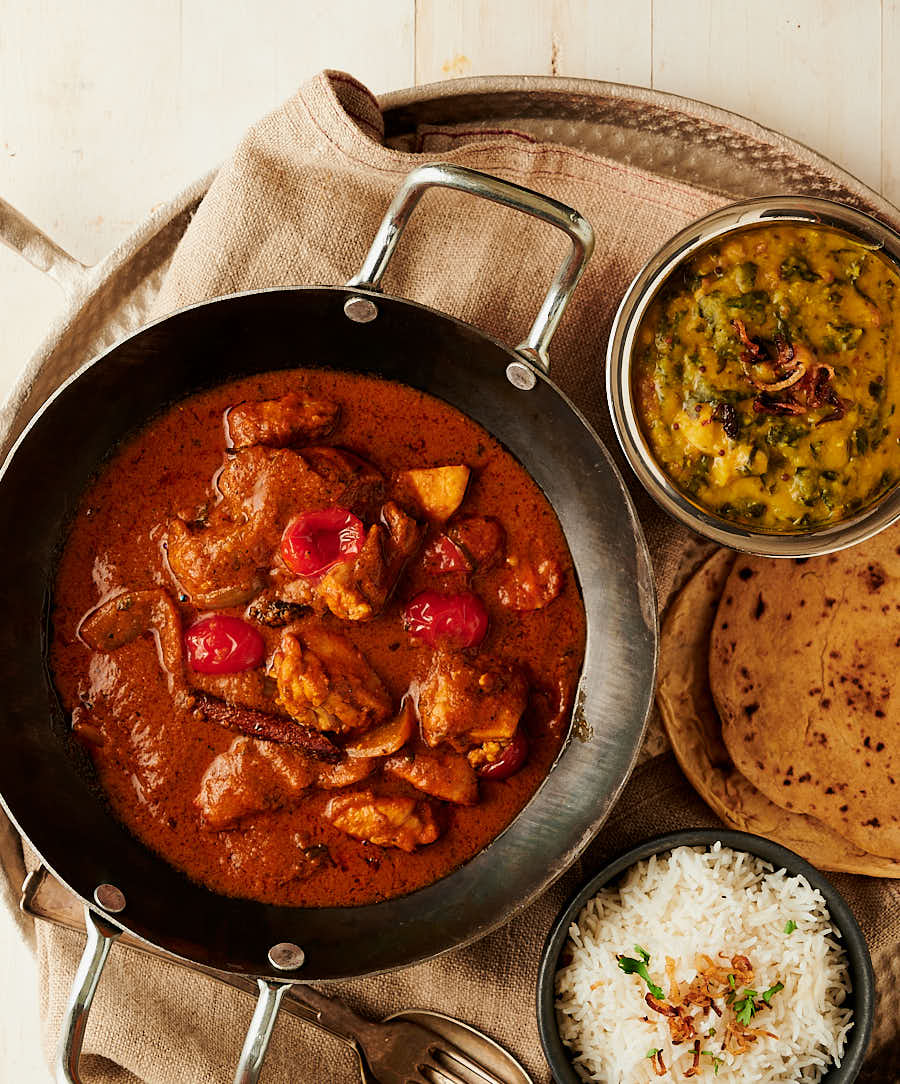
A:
(404, 537)
(358, 590)
(466, 704)
(436, 492)
(211, 565)
(277, 423)
(251, 777)
(219, 562)
(441, 773)
(273, 728)
(255, 776)
(342, 589)
(481, 538)
(387, 820)
(130, 614)
(386, 738)
(358, 483)
(325, 682)
(529, 585)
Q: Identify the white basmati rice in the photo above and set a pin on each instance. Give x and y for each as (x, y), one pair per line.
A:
(686, 903)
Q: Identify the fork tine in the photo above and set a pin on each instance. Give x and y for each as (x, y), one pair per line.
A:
(454, 1053)
(440, 1073)
(446, 1074)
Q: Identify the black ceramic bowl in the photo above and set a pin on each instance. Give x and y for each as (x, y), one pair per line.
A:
(862, 995)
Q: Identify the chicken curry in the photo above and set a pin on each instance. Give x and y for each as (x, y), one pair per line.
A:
(320, 634)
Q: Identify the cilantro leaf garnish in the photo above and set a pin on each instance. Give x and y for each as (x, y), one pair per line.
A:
(745, 1007)
(643, 953)
(717, 1062)
(790, 926)
(639, 967)
(653, 1052)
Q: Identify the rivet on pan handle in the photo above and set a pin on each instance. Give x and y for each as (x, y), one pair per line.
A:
(100, 936)
(579, 230)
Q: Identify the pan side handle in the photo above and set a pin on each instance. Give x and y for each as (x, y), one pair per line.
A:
(260, 1031)
(100, 936)
(33, 245)
(438, 174)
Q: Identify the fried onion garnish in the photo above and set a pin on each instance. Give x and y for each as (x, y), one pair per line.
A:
(717, 980)
(796, 370)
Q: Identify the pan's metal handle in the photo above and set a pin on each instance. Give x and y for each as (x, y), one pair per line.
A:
(100, 936)
(259, 1033)
(33, 245)
(534, 348)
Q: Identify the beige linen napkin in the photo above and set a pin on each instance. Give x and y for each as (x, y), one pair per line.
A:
(299, 202)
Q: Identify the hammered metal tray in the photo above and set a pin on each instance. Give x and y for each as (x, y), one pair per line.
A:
(667, 135)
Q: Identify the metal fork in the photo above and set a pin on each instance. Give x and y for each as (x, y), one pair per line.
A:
(402, 1050)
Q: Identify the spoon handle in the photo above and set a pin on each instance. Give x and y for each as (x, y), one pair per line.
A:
(332, 1016)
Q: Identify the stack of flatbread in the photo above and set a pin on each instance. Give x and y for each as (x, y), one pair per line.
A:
(780, 691)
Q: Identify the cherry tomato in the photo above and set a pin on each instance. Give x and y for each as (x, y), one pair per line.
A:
(510, 760)
(313, 542)
(457, 620)
(443, 555)
(219, 644)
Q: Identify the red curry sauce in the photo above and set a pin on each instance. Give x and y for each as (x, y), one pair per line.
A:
(150, 747)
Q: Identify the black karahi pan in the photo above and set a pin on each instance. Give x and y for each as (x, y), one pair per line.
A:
(46, 781)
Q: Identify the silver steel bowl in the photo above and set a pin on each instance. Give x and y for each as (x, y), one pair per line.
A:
(802, 542)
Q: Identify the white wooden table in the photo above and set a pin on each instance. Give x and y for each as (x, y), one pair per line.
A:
(107, 109)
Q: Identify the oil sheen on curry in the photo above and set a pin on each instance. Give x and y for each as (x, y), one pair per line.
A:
(767, 377)
(321, 635)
